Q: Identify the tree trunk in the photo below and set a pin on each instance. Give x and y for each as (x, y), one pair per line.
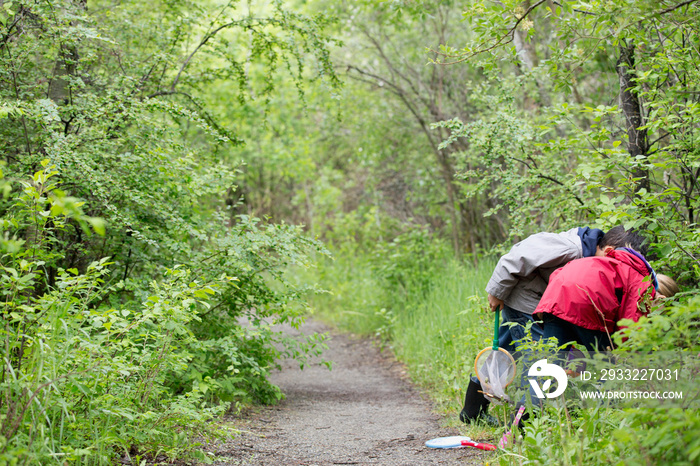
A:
(66, 65)
(453, 204)
(309, 208)
(528, 58)
(638, 142)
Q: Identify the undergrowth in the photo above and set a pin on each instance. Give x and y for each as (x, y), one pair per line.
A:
(89, 377)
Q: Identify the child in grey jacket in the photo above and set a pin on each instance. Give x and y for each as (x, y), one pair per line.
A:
(521, 276)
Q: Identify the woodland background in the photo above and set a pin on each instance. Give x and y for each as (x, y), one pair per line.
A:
(178, 175)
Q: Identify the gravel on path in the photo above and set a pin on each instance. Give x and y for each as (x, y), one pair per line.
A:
(363, 411)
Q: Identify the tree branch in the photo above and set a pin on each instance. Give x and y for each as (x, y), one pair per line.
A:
(18, 16)
(548, 178)
(499, 42)
(675, 7)
(201, 44)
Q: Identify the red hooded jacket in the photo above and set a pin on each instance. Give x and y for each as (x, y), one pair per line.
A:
(613, 285)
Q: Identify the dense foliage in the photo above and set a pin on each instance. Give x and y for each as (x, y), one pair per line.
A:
(600, 121)
(136, 304)
(550, 117)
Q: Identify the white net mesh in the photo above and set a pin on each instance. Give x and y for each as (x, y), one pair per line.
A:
(495, 370)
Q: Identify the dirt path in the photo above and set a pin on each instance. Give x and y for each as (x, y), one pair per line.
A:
(361, 412)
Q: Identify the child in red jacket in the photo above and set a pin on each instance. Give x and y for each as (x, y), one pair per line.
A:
(587, 298)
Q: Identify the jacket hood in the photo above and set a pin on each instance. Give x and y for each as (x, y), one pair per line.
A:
(634, 260)
(590, 237)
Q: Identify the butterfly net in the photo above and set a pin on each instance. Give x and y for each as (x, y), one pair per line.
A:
(495, 370)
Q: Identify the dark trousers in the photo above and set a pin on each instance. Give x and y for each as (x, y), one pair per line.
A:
(508, 335)
(565, 332)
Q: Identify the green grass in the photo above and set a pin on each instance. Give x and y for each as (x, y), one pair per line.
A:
(437, 334)
(353, 299)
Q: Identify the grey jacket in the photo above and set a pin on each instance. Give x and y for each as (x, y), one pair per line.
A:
(521, 275)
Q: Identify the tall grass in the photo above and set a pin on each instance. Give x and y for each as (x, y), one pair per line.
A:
(438, 333)
(353, 299)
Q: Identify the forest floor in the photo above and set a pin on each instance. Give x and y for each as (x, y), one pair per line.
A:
(363, 411)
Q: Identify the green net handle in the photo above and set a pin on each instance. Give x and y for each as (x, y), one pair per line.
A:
(497, 317)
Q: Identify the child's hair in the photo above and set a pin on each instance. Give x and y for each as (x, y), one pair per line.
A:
(618, 237)
(667, 285)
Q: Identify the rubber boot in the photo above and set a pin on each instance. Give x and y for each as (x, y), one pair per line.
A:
(475, 404)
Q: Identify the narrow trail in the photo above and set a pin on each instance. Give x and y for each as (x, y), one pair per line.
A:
(362, 412)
